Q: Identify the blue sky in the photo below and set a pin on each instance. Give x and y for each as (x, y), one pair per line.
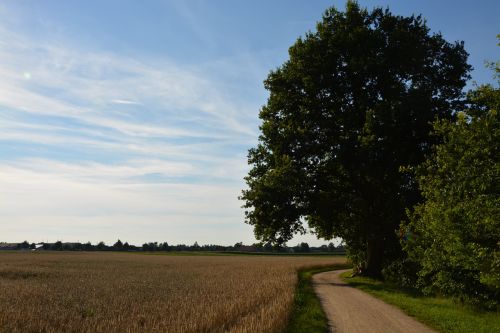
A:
(132, 119)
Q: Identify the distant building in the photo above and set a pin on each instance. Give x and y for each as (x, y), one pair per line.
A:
(8, 246)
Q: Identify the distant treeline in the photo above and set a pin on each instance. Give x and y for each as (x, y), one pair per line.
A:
(165, 247)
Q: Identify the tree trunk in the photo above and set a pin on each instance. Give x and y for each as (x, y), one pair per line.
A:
(374, 254)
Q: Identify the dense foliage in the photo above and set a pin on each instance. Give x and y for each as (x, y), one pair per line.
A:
(454, 235)
(353, 104)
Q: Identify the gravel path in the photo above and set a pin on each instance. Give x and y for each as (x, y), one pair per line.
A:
(350, 310)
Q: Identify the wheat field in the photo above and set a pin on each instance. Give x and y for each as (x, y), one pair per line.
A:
(127, 292)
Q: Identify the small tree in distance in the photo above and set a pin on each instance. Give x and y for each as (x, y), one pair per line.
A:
(24, 245)
(101, 246)
(58, 246)
(304, 247)
(331, 247)
(164, 247)
(118, 246)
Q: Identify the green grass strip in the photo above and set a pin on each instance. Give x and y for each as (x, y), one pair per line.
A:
(308, 315)
(442, 314)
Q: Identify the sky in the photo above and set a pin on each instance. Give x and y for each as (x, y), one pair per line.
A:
(132, 119)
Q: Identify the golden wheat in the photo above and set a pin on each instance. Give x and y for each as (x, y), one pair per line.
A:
(111, 292)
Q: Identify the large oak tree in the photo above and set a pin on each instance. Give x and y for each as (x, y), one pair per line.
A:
(352, 105)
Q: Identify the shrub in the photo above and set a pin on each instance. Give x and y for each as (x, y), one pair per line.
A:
(456, 231)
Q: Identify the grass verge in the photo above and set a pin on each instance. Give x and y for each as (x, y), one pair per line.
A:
(442, 314)
(308, 315)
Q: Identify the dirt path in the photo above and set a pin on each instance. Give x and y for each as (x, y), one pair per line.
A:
(351, 310)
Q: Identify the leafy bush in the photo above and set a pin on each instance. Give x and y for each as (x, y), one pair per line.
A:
(456, 231)
(402, 272)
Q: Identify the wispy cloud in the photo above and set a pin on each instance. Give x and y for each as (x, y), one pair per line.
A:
(86, 89)
(89, 135)
(93, 202)
(124, 101)
(98, 145)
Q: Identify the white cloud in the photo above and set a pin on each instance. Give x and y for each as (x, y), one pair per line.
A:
(70, 190)
(74, 96)
(124, 101)
(79, 85)
(167, 132)
(164, 129)
(63, 200)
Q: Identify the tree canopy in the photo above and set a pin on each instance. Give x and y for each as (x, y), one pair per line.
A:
(352, 105)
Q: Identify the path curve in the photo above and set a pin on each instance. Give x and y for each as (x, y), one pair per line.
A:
(350, 310)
